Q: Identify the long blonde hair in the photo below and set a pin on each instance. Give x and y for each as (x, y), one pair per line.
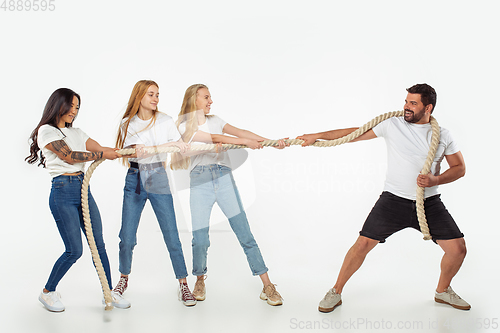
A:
(134, 103)
(187, 115)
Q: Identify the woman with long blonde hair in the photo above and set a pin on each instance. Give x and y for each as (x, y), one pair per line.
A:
(143, 126)
(211, 181)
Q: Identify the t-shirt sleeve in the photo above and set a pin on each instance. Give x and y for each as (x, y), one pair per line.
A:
(216, 124)
(451, 144)
(131, 137)
(83, 135)
(48, 134)
(381, 128)
(173, 132)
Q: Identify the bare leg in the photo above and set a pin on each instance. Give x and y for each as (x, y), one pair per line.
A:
(269, 292)
(353, 260)
(265, 279)
(454, 254)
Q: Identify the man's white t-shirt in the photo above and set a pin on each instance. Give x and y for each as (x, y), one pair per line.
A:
(151, 133)
(75, 138)
(407, 148)
(212, 125)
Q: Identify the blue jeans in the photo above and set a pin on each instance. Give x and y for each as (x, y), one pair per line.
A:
(65, 205)
(215, 183)
(154, 186)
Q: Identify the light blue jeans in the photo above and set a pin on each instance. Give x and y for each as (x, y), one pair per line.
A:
(215, 183)
(153, 186)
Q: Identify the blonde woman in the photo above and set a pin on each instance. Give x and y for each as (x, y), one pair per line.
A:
(211, 181)
(144, 126)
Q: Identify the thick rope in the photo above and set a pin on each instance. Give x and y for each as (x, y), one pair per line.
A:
(90, 235)
(422, 220)
(267, 143)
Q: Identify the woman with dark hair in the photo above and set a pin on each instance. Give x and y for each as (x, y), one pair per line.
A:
(63, 151)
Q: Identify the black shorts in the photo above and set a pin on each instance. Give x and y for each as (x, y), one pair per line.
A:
(392, 214)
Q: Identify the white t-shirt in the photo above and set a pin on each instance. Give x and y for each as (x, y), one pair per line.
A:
(407, 148)
(75, 138)
(212, 125)
(161, 131)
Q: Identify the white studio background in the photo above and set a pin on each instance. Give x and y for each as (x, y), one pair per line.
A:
(280, 69)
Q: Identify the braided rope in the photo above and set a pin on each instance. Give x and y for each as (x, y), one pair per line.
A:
(422, 220)
(90, 235)
(267, 143)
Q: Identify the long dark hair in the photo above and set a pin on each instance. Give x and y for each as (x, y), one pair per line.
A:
(59, 104)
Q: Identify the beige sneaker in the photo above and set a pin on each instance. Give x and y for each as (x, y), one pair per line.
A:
(200, 291)
(451, 298)
(330, 301)
(270, 294)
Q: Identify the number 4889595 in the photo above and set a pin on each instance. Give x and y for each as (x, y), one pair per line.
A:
(28, 5)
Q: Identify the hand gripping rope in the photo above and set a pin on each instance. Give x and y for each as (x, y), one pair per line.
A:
(267, 143)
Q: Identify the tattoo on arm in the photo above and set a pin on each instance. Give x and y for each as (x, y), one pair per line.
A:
(76, 156)
(79, 156)
(61, 147)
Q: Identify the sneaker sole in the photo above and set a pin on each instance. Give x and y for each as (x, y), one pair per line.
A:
(329, 309)
(263, 297)
(200, 298)
(453, 305)
(187, 303)
(48, 307)
(118, 305)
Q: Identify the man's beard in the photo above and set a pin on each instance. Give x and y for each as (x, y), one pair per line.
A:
(412, 117)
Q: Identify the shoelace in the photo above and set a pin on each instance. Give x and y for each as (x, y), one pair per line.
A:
(186, 294)
(54, 296)
(453, 294)
(121, 286)
(199, 286)
(274, 292)
(332, 293)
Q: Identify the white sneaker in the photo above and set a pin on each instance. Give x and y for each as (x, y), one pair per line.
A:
(451, 298)
(118, 301)
(52, 301)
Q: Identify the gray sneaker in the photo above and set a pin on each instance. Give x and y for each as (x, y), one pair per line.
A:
(451, 298)
(330, 301)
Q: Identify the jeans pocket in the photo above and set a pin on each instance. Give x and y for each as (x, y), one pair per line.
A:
(132, 171)
(59, 183)
(159, 171)
(196, 172)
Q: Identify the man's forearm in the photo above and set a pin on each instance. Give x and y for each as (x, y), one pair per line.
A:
(452, 174)
(335, 134)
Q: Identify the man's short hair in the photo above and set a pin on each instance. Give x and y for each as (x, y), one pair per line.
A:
(427, 94)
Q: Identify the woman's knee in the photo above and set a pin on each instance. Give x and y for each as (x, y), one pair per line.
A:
(74, 255)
